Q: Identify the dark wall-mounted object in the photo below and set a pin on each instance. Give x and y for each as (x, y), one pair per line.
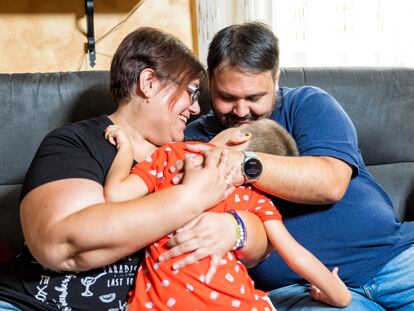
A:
(90, 33)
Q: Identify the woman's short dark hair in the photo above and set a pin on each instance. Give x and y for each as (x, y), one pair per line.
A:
(250, 46)
(152, 48)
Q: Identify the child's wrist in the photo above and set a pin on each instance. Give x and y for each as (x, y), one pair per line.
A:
(241, 232)
(124, 146)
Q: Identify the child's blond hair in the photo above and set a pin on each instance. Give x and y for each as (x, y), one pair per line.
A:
(270, 137)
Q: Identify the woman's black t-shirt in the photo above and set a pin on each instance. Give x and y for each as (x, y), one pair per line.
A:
(76, 150)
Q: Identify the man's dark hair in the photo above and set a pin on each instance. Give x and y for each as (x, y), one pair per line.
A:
(152, 48)
(270, 137)
(250, 46)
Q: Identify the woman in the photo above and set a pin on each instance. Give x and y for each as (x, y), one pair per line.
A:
(67, 224)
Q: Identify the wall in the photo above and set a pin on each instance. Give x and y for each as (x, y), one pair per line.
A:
(50, 35)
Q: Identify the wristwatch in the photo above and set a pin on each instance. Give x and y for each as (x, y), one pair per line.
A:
(251, 167)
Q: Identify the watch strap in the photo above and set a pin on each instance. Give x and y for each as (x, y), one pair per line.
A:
(249, 154)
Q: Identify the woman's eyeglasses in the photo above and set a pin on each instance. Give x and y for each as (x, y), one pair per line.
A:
(194, 92)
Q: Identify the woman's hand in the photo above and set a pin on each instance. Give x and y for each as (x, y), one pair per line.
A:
(234, 159)
(209, 182)
(209, 235)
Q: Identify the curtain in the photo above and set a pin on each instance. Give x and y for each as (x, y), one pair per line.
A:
(344, 32)
(325, 32)
(213, 15)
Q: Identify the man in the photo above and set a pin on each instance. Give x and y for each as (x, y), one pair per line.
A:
(326, 192)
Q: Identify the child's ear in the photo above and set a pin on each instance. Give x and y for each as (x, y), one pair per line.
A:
(240, 139)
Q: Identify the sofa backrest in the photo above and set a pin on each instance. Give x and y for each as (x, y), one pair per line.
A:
(31, 106)
(379, 101)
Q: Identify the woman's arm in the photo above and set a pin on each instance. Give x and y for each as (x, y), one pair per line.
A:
(213, 234)
(330, 288)
(68, 225)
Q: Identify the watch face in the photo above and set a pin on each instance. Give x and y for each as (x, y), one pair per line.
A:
(252, 168)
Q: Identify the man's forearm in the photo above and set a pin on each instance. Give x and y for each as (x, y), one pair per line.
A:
(307, 179)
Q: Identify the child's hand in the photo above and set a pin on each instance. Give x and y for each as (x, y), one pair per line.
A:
(319, 295)
(116, 136)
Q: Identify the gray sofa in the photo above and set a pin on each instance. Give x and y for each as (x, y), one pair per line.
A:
(380, 102)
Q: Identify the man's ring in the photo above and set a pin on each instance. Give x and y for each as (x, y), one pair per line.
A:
(227, 181)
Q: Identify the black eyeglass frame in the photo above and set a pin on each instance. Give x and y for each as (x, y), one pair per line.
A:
(194, 92)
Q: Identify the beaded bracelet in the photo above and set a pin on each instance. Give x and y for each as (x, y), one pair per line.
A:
(238, 236)
(240, 230)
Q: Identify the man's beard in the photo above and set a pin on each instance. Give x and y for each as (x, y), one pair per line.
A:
(231, 120)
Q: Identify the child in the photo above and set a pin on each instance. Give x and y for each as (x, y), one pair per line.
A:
(160, 287)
